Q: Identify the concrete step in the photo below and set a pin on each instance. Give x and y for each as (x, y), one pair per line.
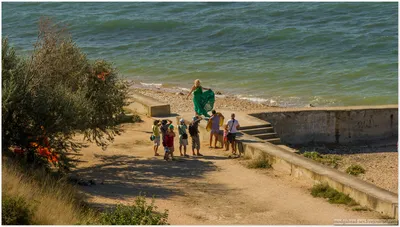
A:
(258, 130)
(267, 136)
(274, 141)
(255, 126)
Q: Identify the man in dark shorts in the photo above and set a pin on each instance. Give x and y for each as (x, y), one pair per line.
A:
(194, 133)
(233, 127)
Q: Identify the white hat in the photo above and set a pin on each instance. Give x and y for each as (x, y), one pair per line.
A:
(181, 120)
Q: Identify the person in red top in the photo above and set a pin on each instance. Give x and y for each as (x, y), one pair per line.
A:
(169, 142)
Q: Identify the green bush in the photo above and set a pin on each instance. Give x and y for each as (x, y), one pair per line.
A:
(260, 163)
(312, 155)
(324, 159)
(355, 170)
(55, 93)
(333, 196)
(15, 211)
(139, 214)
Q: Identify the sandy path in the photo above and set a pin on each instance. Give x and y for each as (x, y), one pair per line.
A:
(206, 190)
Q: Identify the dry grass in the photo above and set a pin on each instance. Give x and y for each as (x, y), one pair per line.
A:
(260, 162)
(53, 202)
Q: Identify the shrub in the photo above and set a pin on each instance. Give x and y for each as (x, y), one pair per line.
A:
(360, 209)
(260, 163)
(15, 211)
(55, 93)
(355, 170)
(139, 214)
(324, 159)
(333, 196)
(312, 155)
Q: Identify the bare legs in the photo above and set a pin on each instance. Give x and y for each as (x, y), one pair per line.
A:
(215, 135)
(184, 149)
(155, 150)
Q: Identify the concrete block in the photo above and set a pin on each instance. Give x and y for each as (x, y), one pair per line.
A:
(148, 106)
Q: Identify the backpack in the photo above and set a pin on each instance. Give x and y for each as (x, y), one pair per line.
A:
(192, 130)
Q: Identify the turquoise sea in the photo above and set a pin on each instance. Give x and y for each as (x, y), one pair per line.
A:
(327, 54)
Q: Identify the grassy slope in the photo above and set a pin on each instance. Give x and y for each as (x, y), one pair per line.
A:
(52, 202)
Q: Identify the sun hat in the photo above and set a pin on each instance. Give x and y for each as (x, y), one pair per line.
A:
(171, 126)
(181, 120)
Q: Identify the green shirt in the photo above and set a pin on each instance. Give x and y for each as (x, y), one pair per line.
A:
(156, 131)
(182, 129)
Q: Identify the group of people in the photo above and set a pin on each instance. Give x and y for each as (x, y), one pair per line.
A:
(163, 134)
(163, 131)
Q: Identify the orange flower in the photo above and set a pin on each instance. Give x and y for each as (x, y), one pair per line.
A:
(103, 75)
(54, 158)
(34, 144)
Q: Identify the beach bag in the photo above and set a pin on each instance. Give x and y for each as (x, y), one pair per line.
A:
(192, 130)
(221, 122)
(152, 137)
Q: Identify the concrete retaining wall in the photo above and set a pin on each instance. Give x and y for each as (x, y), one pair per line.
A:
(362, 192)
(348, 125)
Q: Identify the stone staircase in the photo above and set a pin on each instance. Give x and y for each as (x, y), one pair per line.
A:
(264, 131)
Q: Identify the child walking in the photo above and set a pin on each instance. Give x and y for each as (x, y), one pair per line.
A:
(156, 134)
(169, 143)
(226, 138)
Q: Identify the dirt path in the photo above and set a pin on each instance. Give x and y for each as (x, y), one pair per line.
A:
(200, 190)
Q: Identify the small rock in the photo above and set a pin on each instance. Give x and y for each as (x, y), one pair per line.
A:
(218, 93)
(180, 93)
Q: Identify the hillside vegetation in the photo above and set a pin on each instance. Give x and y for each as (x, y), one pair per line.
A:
(49, 97)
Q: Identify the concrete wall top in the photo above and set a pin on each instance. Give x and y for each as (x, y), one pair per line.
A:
(148, 101)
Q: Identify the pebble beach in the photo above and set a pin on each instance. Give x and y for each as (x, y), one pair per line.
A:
(179, 103)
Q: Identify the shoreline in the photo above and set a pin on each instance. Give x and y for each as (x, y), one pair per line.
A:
(176, 97)
(254, 102)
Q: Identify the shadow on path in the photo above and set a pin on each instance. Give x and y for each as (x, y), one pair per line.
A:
(124, 177)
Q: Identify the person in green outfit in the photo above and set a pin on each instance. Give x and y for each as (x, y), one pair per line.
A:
(203, 101)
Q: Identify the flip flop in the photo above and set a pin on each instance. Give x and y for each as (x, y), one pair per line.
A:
(200, 155)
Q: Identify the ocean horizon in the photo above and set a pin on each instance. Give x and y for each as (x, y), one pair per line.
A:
(292, 54)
